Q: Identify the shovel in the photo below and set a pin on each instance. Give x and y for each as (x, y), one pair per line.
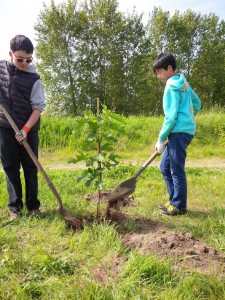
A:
(127, 187)
(64, 213)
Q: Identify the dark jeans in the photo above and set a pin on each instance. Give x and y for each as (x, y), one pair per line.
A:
(172, 168)
(13, 156)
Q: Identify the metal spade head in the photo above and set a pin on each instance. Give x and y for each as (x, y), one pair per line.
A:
(123, 189)
(69, 218)
(128, 187)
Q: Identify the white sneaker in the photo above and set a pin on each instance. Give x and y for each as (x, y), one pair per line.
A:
(14, 215)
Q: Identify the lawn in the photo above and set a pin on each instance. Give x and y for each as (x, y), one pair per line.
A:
(133, 253)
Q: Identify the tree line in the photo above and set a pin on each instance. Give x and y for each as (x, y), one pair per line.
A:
(91, 50)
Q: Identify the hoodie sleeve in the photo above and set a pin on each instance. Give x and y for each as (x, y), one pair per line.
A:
(195, 101)
(170, 106)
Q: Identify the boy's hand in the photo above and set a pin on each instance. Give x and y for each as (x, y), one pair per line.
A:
(22, 134)
(160, 147)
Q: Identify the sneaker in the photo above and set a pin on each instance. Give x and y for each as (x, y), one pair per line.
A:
(35, 213)
(14, 215)
(173, 211)
(164, 206)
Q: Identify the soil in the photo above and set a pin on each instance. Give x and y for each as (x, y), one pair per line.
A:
(155, 238)
(181, 247)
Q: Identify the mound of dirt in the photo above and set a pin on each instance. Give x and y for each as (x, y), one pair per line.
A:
(155, 238)
(183, 248)
(124, 201)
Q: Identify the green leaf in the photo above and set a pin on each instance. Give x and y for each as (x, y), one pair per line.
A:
(111, 138)
(82, 176)
(90, 161)
(107, 147)
(89, 182)
(100, 157)
(91, 136)
(80, 157)
(88, 145)
(113, 156)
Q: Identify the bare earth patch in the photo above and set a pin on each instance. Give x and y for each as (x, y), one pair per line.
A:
(157, 239)
(182, 248)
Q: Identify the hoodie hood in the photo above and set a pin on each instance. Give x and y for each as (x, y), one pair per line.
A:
(177, 83)
(31, 68)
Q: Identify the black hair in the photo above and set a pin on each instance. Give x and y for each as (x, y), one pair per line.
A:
(163, 60)
(21, 42)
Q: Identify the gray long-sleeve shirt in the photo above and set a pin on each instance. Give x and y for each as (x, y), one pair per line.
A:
(37, 97)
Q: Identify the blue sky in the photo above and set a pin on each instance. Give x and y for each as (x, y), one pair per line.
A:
(19, 17)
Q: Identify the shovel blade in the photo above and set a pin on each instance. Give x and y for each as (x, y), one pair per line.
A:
(69, 218)
(125, 188)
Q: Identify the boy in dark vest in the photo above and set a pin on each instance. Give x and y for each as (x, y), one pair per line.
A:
(22, 94)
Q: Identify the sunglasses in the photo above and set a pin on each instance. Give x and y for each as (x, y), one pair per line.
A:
(21, 60)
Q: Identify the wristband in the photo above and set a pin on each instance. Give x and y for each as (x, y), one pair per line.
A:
(26, 129)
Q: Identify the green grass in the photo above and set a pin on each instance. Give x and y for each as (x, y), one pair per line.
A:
(45, 259)
(140, 133)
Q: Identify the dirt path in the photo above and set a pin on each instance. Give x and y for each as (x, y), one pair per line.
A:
(212, 163)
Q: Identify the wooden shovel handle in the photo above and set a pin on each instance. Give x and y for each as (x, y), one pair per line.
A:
(145, 164)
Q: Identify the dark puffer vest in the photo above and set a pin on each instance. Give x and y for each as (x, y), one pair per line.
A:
(16, 86)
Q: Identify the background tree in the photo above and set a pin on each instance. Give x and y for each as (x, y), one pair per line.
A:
(208, 70)
(136, 49)
(59, 30)
(94, 51)
(99, 55)
(198, 44)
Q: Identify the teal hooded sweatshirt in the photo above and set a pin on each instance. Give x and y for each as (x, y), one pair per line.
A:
(180, 105)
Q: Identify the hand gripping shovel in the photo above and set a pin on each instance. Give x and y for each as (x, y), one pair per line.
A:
(128, 187)
(64, 213)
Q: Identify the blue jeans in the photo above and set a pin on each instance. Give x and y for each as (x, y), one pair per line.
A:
(172, 168)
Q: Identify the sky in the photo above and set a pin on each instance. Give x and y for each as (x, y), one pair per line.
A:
(19, 17)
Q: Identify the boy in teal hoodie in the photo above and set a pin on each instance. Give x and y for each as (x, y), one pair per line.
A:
(180, 105)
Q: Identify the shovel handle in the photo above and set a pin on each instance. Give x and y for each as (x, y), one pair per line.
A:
(144, 166)
(32, 155)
